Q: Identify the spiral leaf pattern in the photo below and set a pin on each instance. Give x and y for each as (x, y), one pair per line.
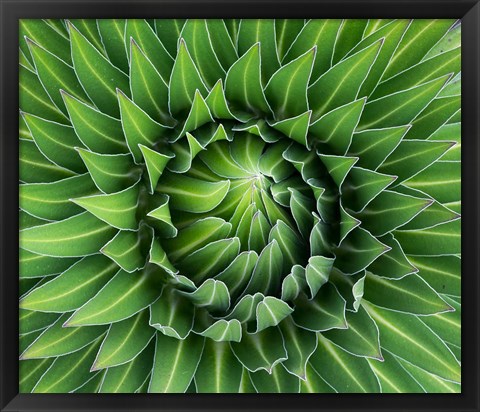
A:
(239, 206)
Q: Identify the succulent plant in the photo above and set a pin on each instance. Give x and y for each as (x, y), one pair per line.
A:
(239, 206)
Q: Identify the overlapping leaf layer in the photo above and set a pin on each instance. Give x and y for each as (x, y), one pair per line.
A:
(240, 206)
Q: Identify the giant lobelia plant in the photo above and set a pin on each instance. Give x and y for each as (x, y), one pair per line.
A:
(240, 206)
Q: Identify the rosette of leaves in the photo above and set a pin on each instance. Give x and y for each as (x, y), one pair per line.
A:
(240, 206)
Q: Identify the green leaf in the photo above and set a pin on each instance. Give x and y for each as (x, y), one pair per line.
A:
(149, 90)
(366, 248)
(441, 180)
(169, 30)
(210, 259)
(123, 296)
(291, 245)
(294, 283)
(55, 341)
(238, 273)
(111, 173)
(160, 217)
(196, 236)
(361, 186)
(314, 383)
(400, 108)
(54, 75)
(217, 102)
(393, 264)
(96, 130)
(129, 249)
(430, 383)
(286, 31)
(73, 288)
(112, 32)
(361, 338)
(276, 381)
(434, 215)
(251, 351)
(89, 28)
(56, 142)
(223, 331)
(342, 82)
(243, 87)
(407, 337)
(411, 294)
(317, 32)
(184, 81)
(266, 276)
(51, 200)
(301, 207)
(392, 376)
(32, 321)
(451, 40)
(447, 325)
(296, 128)
(270, 312)
(124, 341)
(390, 34)
(441, 272)
(419, 38)
(32, 265)
(342, 371)
(372, 147)
(68, 372)
(286, 90)
(332, 133)
(129, 377)
(317, 273)
(324, 312)
(184, 151)
(159, 257)
(222, 44)
(350, 34)
(78, 235)
(435, 115)
(212, 295)
(219, 160)
(198, 115)
(175, 363)
(260, 32)
(300, 345)
(46, 36)
(390, 210)
(31, 371)
(246, 150)
(218, 370)
(420, 73)
(138, 127)
(116, 209)
(197, 39)
(34, 99)
(150, 43)
(97, 75)
(412, 156)
(442, 239)
(244, 310)
(172, 314)
(192, 195)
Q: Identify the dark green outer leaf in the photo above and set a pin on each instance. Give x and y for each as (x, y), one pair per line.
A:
(93, 70)
(79, 235)
(73, 287)
(175, 363)
(406, 336)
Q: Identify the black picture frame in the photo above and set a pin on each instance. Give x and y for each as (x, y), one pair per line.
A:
(13, 10)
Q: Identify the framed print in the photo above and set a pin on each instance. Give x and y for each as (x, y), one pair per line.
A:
(211, 205)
